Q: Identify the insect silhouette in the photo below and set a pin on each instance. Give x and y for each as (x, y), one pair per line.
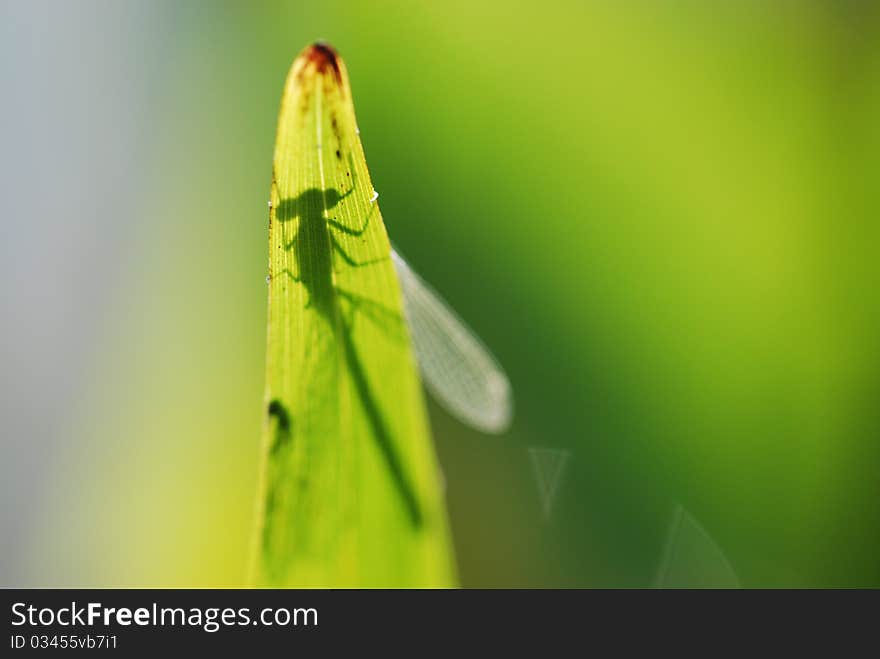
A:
(314, 246)
(457, 368)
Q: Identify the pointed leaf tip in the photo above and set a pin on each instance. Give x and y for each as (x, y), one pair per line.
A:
(324, 58)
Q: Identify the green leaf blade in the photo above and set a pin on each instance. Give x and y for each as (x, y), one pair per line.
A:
(351, 492)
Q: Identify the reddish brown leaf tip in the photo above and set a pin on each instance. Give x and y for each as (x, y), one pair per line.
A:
(324, 58)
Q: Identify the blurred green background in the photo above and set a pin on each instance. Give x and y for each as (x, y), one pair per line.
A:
(661, 216)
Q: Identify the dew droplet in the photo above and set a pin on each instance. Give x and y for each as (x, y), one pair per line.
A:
(374, 197)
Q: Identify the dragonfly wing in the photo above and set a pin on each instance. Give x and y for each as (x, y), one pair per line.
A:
(456, 367)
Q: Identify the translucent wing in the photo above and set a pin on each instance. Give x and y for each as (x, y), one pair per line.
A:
(457, 368)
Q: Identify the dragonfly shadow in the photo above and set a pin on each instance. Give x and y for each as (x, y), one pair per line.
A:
(315, 246)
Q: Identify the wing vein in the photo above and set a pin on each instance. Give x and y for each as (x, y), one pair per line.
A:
(457, 368)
